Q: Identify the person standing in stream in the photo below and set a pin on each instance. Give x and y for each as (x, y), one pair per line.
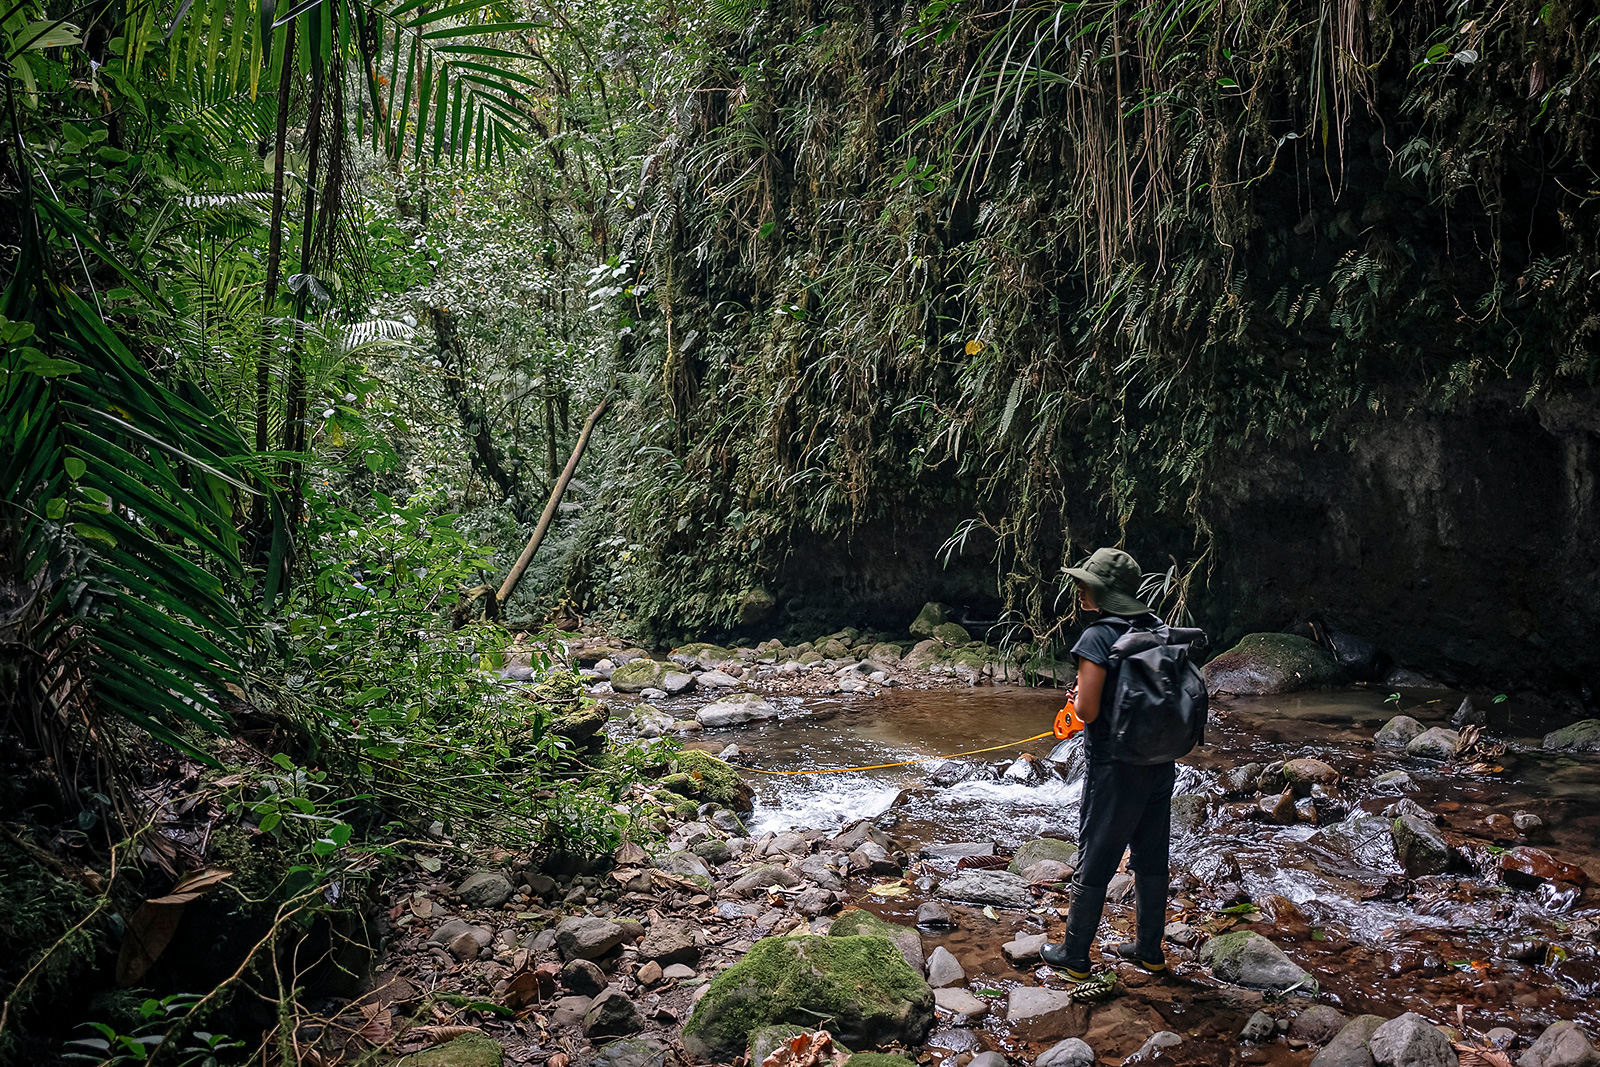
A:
(1125, 806)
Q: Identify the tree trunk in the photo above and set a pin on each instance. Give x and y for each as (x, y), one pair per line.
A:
(509, 586)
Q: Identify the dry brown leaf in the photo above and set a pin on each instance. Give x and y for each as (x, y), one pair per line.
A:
(379, 1028)
(193, 886)
(145, 938)
(1472, 1056)
(527, 989)
(438, 1035)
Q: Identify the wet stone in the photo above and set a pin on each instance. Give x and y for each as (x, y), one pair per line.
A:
(1419, 846)
(1245, 958)
(1581, 736)
(1316, 1025)
(1259, 1028)
(958, 850)
(987, 1059)
(960, 1002)
(954, 1040)
(1073, 1052)
(944, 969)
(1026, 1004)
(1437, 743)
(1394, 783)
(1040, 849)
(1161, 1039)
(1023, 951)
(1002, 889)
(932, 913)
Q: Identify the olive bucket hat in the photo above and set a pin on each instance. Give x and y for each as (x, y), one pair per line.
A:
(1114, 576)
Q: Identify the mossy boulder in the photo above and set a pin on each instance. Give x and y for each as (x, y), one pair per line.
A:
(756, 607)
(859, 988)
(582, 724)
(702, 775)
(977, 656)
(1581, 736)
(1266, 664)
(833, 648)
(857, 922)
(885, 653)
(952, 635)
(1419, 846)
(923, 655)
(468, 1050)
(701, 652)
(877, 1059)
(637, 675)
(931, 615)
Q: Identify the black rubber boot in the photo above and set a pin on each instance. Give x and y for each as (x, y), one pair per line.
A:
(1150, 914)
(1083, 918)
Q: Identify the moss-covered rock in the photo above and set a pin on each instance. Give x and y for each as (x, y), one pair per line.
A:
(1419, 846)
(923, 655)
(702, 652)
(877, 1059)
(1262, 664)
(859, 988)
(1583, 736)
(702, 775)
(637, 675)
(582, 724)
(886, 653)
(468, 1050)
(1245, 958)
(755, 607)
(857, 922)
(833, 648)
(952, 634)
(931, 615)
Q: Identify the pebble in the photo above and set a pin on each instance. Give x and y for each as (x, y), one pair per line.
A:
(933, 913)
(650, 973)
(1260, 1028)
(677, 972)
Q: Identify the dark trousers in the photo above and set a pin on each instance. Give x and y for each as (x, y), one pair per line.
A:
(1124, 807)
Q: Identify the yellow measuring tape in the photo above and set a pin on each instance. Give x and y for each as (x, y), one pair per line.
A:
(909, 762)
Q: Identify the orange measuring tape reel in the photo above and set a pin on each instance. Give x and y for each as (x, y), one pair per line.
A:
(1067, 722)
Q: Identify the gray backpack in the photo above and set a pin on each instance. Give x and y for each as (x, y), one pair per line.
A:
(1158, 712)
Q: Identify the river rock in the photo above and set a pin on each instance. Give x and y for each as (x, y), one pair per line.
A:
(1398, 732)
(756, 880)
(716, 679)
(449, 931)
(885, 654)
(1469, 714)
(932, 614)
(1042, 848)
(859, 832)
(1258, 1028)
(640, 674)
(468, 1050)
(735, 709)
(676, 682)
(1349, 1046)
(1072, 1052)
(669, 942)
(587, 937)
(1245, 958)
(612, 1014)
(1317, 1025)
(861, 984)
(819, 871)
(944, 969)
(1420, 847)
(952, 635)
(923, 655)
(1437, 743)
(1153, 1045)
(933, 913)
(958, 850)
(583, 977)
(1583, 736)
(1027, 1004)
(1394, 783)
(1002, 889)
(873, 858)
(987, 1059)
(1265, 664)
(632, 1052)
(569, 1011)
(1410, 1041)
(1561, 1045)
(1189, 812)
(1023, 950)
(485, 889)
(766, 1040)
(1526, 822)
(1302, 774)
(961, 1003)
(683, 863)
(1528, 866)
(857, 922)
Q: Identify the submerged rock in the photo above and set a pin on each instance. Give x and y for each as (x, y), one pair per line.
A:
(1245, 958)
(1265, 664)
(1365, 840)
(862, 984)
(1317, 1025)
(1581, 736)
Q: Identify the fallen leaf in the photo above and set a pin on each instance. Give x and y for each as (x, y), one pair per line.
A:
(145, 938)
(889, 889)
(989, 912)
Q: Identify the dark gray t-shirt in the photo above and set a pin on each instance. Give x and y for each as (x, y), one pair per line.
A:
(1095, 646)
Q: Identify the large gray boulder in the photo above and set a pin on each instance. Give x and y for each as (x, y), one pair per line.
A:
(1349, 1046)
(1245, 958)
(1583, 736)
(1561, 1045)
(1410, 1041)
(1264, 664)
(862, 985)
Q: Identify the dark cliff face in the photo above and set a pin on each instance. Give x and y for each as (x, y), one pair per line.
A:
(1465, 545)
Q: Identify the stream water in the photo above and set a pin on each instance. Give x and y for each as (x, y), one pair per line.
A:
(1507, 957)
